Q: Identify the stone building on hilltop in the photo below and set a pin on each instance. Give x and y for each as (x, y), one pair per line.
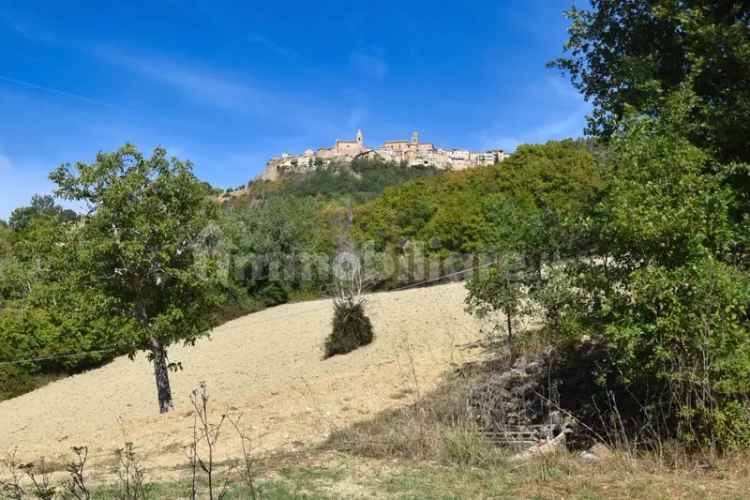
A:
(411, 153)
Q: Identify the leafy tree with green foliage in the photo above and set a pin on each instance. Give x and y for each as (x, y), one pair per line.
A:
(666, 297)
(48, 325)
(632, 54)
(270, 242)
(499, 289)
(469, 211)
(399, 214)
(517, 227)
(27, 253)
(41, 206)
(6, 243)
(6, 259)
(458, 224)
(559, 176)
(662, 296)
(136, 247)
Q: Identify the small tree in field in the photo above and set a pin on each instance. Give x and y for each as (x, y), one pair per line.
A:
(137, 247)
(499, 289)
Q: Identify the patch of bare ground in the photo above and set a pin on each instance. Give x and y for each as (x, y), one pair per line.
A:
(268, 367)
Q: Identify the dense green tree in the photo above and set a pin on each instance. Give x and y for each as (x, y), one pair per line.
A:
(6, 240)
(518, 226)
(48, 325)
(539, 186)
(27, 254)
(27, 251)
(544, 188)
(499, 289)
(626, 54)
(662, 296)
(665, 298)
(41, 206)
(399, 214)
(7, 283)
(137, 249)
(558, 176)
(274, 242)
(458, 224)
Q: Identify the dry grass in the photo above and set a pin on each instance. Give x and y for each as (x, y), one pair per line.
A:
(433, 427)
(430, 449)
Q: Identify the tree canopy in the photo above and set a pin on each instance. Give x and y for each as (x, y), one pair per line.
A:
(41, 206)
(631, 54)
(138, 245)
(460, 211)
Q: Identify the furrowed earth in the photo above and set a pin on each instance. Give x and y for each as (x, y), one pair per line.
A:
(266, 368)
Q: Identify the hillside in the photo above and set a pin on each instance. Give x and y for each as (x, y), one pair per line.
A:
(266, 366)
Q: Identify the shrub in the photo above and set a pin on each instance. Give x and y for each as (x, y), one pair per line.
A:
(499, 289)
(273, 294)
(666, 301)
(351, 328)
(14, 382)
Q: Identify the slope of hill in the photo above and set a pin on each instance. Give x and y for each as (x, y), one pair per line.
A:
(266, 366)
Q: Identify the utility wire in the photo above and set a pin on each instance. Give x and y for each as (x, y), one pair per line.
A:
(269, 320)
(59, 356)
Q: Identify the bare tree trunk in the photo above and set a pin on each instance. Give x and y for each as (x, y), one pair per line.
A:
(509, 321)
(509, 312)
(161, 371)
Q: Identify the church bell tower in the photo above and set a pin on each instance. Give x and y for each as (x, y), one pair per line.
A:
(360, 137)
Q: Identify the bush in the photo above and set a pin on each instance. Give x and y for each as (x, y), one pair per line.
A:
(14, 382)
(667, 302)
(351, 328)
(273, 294)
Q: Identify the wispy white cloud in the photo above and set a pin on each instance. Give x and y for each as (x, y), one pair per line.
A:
(214, 88)
(195, 84)
(570, 125)
(371, 66)
(564, 117)
(5, 164)
(267, 43)
(563, 89)
(25, 26)
(52, 90)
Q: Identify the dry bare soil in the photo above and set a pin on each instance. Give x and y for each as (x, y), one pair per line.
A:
(267, 367)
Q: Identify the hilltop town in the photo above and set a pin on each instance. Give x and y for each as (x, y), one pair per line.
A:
(411, 153)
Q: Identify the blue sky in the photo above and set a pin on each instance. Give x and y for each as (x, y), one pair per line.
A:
(229, 84)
